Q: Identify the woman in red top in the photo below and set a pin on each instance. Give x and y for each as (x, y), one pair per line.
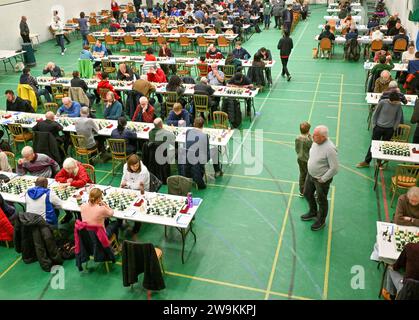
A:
(115, 9)
(149, 56)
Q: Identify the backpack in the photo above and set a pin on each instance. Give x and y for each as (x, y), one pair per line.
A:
(353, 50)
(232, 108)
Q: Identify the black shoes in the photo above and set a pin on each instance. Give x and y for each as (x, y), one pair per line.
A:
(318, 225)
(289, 78)
(219, 174)
(309, 216)
(67, 218)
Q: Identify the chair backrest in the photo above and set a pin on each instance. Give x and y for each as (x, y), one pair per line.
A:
(128, 40)
(174, 30)
(229, 31)
(400, 45)
(118, 148)
(376, 45)
(51, 106)
(90, 171)
(222, 41)
(401, 134)
(171, 97)
(200, 101)
(220, 120)
(79, 142)
(16, 129)
(201, 41)
(211, 31)
(11, 159)
(144, 40)
(410, 290)
(109, 40)
(228, 71)
(91, 39)
(179, 185)
(155, 183)
(190, 31)
(183, 40)
(161, 40)
(407, 175)
(57, 90)
(325, 44)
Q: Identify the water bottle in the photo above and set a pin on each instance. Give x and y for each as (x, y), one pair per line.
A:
(190, 202)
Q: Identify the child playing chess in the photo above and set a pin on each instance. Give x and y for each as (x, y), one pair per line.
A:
(302, 147)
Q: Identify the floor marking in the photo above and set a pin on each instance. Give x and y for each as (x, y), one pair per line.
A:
(279, 245)
(314, 98)
(329, 245)
(356, 172)
(331, 117)
(383, 190)
(320, 91)
(10, 267)
(259, 178)
(252, 189)
(339, 111)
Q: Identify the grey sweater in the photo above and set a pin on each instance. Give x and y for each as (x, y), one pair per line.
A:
(41, 166)
(387, 115)
(323, 161)
(87, 127)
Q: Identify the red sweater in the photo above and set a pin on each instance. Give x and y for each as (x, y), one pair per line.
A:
(79, 180)
(214, 55)
(106, 85)
(150, 57)
(159, 76)
(114, 6)
(6, 228)
(147, 116)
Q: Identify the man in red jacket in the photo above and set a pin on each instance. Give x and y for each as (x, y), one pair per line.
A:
(73, 174)
(157, 75)
(144, 111)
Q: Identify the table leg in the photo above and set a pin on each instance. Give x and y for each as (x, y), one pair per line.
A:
(376, 171)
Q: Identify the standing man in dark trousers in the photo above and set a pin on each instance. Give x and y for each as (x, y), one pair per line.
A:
(415, 119)
(137, 5)
(287, 18)
(24, 30)
(277, 10)
(322, 167)
(285, 46)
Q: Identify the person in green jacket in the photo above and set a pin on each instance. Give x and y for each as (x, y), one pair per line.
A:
(302, 147)
(267, 11)
(383, 64)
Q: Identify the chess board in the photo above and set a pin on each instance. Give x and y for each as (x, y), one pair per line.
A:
(395, 148)
(102, 124)
(403, 237)
(24, 119)
(63, 192)
(62, 81)
(18, 185)
(137, 127)
(118, 200)
(164, 206)
(64, 121)
(44, 79)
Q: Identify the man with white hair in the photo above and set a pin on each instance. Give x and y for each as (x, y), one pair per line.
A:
(36, 164)
(381, 84)
(53, 70)
(144, 111)
(322, 167)
(69, 108)
(73, 174)
(407, 211)
(215, 76)
(393, 87)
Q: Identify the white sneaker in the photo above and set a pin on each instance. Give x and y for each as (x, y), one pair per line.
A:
(62, 53)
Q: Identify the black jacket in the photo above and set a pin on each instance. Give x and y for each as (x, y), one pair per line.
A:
(410, 290)
(47, 125)
(161, 171)
(46, 143)
(91, 246)
(56, 72)
(140, 258)
(34, 239)
(20, 105)
(79, 83)
(285, 46)
(204, 89)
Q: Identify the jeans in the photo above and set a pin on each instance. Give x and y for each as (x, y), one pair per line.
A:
(44, 92)
(287, 26)
(394, 282)
(278, 22)
(84, 40)
(267, 20)
(284, 62)
(303, 174)
(60, 41)
(379, 133)
(321, 188)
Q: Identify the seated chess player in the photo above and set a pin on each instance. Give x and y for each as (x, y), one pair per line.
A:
(15, 103)
(144, 111)
(36, 164)
(135, 174)
(4, 163)
(113, 108)
(96, 211)
(178, 117)
(41, 201)
(69, 108)
(408, 261)
(407, 211)
(73, 174)
(122, 132)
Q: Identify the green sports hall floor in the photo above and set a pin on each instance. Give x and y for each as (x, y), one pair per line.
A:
(251, 243)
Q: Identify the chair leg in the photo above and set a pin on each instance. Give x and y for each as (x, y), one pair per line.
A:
(7, 244)
(107, 267)
(394, 194)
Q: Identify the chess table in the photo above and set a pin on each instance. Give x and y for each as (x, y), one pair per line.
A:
(6, 57)
(150, 207)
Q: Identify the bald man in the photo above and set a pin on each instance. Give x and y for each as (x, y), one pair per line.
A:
(69, 108)
(49, 125)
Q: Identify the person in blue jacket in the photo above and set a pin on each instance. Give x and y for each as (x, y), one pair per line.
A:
(69, 108)
(113, 108)
(178, 117)
(40, 200)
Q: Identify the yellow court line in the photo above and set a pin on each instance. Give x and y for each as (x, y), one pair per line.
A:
(284, 134)
(357, 173)
(315, 97)
(278, 248)
(287, 296)
(252, 189)
(10, 267)
(329, 245)
(326, 102)
(339, 111)
(258, 178)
